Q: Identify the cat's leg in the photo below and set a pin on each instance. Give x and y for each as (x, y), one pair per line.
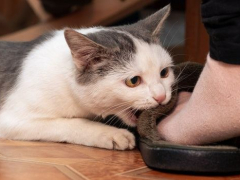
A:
(77, 131)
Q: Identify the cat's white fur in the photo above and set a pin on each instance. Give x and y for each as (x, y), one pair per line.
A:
(48, 104)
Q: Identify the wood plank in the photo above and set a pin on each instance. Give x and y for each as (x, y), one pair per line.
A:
(99, 12)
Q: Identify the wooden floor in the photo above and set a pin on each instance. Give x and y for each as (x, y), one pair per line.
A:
(55, 161)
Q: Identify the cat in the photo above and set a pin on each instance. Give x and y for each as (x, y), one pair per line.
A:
(52, 88)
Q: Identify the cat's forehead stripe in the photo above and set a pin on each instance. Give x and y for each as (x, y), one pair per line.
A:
(137, 32)
(113, 39)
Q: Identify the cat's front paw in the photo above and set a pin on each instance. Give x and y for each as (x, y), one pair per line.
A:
(120, 139)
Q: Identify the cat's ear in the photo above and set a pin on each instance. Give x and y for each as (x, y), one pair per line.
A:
(86, 53)
(154, 23)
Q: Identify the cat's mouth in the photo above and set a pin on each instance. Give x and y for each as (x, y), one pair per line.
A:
(133, 115)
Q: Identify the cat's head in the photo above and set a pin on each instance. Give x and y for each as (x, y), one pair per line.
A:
(123, 69)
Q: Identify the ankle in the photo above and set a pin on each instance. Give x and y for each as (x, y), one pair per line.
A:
(219, 67)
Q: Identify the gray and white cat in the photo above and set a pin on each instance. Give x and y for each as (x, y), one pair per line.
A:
(53, 87)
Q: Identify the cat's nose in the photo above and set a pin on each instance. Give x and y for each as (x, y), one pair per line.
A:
(160, 98)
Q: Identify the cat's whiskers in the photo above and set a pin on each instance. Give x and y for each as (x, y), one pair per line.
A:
(92, 94)
(179, 75)
(173, 90)
(115, 115)
(118, 120)
(172, 38)
(170, 51)
(177, 81)
(111, 119)
(169, 32)
(183, 77)
(114, 107)
(124, 110)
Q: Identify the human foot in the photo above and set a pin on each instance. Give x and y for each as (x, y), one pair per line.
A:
(212, 113)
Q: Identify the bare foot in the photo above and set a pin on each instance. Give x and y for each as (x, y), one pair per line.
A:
(212, 112)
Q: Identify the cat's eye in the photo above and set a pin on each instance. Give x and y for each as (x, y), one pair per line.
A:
(164, 73)
(133, 82)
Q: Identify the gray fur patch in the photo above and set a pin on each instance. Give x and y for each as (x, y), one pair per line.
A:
(120, 50)
(12, 55)
(137, 31)
(113, 40)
